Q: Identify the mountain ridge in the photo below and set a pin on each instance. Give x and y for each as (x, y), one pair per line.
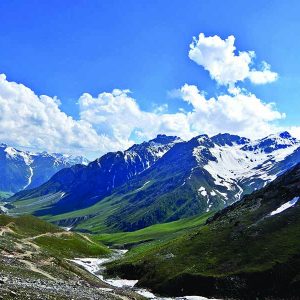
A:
(191, 177)
(24, 169)
(102, 175)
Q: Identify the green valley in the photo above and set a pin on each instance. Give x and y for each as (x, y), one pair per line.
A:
(153, 233)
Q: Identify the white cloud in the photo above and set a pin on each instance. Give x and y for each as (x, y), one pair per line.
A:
(218, 57)
(28, 120)
(263, 76)
(241, 113)
(109, 121)
(117, 114)
(160, 108)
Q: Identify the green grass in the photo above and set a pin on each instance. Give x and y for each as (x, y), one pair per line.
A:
(48, 248)
(70, 246)
(28, 225)
(208, 252)
(54, 240)
(154, 232)
(30, 205)
(104, 208)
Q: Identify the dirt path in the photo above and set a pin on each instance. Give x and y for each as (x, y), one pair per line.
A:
(27, 254)
(25, 249)
(33, 268)
(6, 229)
(56, 234)
(88, 239)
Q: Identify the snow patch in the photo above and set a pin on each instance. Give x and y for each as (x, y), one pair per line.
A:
(285, 206)
(142, 186)
(203, 191)
(29, 178)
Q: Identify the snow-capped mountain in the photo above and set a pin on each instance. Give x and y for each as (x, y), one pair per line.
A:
(242, 165)
(165, 179)
(81, 186)
(202, 175)
(22, 170)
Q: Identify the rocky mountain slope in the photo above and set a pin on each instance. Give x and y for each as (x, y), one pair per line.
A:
(249, 250)
(121, 192)
(21, 170)
(81, 186)
(35, 263)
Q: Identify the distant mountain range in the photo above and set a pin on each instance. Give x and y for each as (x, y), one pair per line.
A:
(158, 181)
(81, 186)
(21, 170)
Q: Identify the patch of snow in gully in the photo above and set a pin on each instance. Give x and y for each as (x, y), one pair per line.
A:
(285, 206)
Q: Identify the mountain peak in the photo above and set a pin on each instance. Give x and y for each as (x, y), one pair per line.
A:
(165, 139)
(223, 139)
(31, 169)
(273, 142)
(285, 135)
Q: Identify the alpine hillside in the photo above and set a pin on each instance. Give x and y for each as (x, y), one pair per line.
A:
(249, 250)
(121, 191)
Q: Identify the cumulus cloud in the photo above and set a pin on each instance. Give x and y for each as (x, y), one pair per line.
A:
(107, 122)
(240, 113)
(117, 114)
(28, 120)
(263, 76)
(111, 121)
(219, 58)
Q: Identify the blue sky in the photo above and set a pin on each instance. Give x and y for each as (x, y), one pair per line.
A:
(67, 48)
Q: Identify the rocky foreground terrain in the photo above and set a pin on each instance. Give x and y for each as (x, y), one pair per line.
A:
(13, 287)
(35, 263)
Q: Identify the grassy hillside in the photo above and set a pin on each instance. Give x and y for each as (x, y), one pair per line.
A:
(39, 249)
(51, 238)
(105, 216)
(27, 225)
(71, 245)
(153, 233)
(242, 252)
